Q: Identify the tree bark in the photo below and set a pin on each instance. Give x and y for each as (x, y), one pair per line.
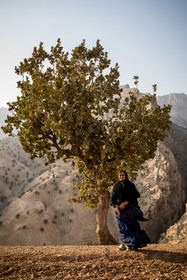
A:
(103, 234)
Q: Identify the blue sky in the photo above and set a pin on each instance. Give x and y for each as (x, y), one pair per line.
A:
(147, 38)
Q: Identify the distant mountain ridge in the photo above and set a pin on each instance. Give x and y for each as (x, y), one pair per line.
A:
(179, 107)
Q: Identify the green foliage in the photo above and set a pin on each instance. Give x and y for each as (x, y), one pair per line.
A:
(69, 109)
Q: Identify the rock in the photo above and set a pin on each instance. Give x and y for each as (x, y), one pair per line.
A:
(176, 233)
(179, 107)
(162, 190)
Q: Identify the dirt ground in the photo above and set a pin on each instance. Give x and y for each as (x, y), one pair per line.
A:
(156, 262)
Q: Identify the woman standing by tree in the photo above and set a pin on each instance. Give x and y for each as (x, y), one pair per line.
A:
(128, 213)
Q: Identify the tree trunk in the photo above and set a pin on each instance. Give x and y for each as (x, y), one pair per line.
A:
(103, 234)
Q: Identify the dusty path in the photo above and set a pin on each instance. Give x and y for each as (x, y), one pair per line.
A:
(93, 262)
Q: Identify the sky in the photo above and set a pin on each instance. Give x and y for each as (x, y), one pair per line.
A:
(147, 38)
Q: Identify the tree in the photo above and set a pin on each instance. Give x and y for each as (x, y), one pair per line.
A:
(71, 108)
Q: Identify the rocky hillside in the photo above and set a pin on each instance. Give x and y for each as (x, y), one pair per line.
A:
(33, 197)
(177, 100)
(34, 208)
(177, 233)
(17, 170)
(179, 107)
(33, 201)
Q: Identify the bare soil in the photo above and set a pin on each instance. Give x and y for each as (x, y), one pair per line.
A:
(163, 261)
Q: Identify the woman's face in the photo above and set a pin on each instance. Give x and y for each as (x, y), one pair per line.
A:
(121, 176)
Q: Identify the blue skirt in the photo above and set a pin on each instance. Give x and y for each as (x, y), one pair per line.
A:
(130, 231)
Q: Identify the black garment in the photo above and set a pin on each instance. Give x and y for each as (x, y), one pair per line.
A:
(124, 191)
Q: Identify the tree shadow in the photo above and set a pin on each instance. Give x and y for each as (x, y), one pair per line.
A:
(166, 256)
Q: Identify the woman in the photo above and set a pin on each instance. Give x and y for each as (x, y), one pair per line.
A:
(128, 213)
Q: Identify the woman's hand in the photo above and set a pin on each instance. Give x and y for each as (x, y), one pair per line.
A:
(122, 205)
(117, 209)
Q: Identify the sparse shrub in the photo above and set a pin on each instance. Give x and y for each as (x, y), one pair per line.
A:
(45, 205)
(71, 210)
(41, 229)
(24, 227)
(31, 188)
(70, 220)
(28, 212)
(1, 223)
(62, 214)
(40, 211)
(17, 216)
(3, 198)
(45, 221)
(30, 180)
(60, 191)
(37, 193)
(55, 217)
(56, 188)
(10, 186)
(21, 194)
(6, 180)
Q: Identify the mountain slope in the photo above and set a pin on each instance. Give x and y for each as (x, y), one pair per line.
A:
(33, 197)
(179, 107)
(39, 214)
